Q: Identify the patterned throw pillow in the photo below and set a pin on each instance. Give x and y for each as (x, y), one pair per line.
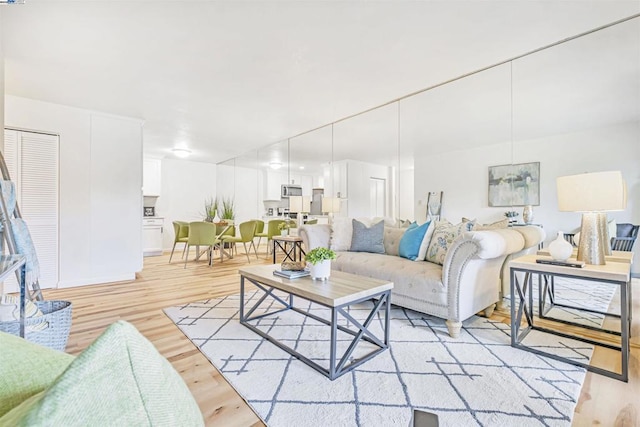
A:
(444, 234)
(367, 239)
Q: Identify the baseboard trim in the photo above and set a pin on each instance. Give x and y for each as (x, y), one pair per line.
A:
(96, 280)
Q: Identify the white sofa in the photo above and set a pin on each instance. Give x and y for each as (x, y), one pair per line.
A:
(469, 281)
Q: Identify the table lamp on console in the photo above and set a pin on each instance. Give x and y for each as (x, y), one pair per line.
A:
(299, 205)
(593, 194)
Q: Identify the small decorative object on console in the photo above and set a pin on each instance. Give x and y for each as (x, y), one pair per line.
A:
(527, 214)
(293, 266)
(512, 215)
(560, 249)
(575, 264)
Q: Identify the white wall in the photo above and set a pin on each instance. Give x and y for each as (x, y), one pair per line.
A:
(358, 191)
(100, 188)
(463, 175)
(184, 187)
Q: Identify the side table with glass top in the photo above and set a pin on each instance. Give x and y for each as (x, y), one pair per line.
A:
(14, 264)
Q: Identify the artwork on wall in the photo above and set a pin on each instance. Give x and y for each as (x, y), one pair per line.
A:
(514, 185)
(434, 206)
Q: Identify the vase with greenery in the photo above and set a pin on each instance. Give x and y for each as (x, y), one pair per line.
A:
(210, 208)
(227, 210)
(285, 226)
(319, 260)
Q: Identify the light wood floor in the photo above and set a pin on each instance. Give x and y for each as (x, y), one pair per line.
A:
(603, 401)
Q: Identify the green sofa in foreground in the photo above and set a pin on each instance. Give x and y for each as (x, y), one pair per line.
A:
(119, 380)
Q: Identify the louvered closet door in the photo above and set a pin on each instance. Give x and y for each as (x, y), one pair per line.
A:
(32, 160)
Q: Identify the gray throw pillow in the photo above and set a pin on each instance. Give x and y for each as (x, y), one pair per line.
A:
(367, 239)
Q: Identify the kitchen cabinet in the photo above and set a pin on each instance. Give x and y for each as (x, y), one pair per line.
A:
(151, 177)
(152, 231)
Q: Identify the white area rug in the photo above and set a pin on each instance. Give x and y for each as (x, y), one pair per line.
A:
(477, 379)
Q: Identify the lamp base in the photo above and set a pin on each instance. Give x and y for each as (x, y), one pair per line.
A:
(594, 239)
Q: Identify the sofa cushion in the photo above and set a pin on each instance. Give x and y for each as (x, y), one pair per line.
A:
(341, 233)
(391, 240)
(444, 234)
(26, 369)
(411, 241)
(503, 223)
(367, 239)
(421, 280)
(120, 379)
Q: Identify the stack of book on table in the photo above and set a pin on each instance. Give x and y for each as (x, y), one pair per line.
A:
(291, 274)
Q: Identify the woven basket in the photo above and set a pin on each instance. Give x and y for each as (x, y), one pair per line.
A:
(57, 313)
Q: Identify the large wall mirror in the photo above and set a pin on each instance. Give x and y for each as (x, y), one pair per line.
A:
(572, 108)
(365, 160)
(454, 132)
(575, 110)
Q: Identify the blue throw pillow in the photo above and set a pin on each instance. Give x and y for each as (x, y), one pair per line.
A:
(367, 239)
(411, 240)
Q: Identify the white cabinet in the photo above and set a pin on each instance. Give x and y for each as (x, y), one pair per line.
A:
(152, 229)
(273, 184)
(151, 176)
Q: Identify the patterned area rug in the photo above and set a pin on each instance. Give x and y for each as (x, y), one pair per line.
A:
(477, 379)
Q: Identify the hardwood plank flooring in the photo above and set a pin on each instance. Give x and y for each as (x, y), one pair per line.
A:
(603, 401)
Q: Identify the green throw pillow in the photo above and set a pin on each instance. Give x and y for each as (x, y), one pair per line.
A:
(119, 380)
(26, 369)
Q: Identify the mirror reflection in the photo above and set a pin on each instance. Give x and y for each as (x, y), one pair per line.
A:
(365, 163)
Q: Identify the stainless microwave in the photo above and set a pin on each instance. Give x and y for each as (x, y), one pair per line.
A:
(288, 190)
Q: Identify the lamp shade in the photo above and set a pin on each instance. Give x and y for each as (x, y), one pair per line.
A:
(330, 204)
(299, 204)
(295, 203)
(592, 192)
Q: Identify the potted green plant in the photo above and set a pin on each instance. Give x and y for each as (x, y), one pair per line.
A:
(227, 210)
(319, 260)
(210, 209)
(284, 227)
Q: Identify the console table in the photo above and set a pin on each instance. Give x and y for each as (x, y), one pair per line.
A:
(293, 253)
(617, 273)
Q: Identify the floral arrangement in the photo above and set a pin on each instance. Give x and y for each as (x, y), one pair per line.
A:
(285, 225)
(317, 255)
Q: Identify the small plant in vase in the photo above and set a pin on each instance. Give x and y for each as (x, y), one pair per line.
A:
(319, 260)
(512, 216)
(285, 226)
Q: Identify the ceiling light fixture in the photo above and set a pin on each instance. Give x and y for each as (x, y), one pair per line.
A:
(301, 168)
(275, 165)
(181, 152)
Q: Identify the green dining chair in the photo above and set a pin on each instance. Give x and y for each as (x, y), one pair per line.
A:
(261, 232)
(272, 230)
(181, 235)
(247, 233)
(201, 233)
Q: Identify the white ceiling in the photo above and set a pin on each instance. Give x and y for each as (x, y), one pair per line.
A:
(222, 78)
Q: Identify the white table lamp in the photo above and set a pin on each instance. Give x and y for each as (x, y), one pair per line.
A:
(299, 204)
(593, 194)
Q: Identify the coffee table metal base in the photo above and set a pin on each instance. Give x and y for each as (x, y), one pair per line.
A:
(337, 367)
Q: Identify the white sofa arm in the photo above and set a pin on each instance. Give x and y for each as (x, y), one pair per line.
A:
(315, 236)
(471, 270)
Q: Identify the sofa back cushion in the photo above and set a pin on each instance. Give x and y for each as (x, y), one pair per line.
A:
(444, 233)
(391, 240)
(367, 239)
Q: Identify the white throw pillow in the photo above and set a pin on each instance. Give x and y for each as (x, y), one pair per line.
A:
(341, 233)
(422, 252)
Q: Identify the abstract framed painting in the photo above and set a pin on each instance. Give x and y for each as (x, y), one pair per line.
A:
(514, 185)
